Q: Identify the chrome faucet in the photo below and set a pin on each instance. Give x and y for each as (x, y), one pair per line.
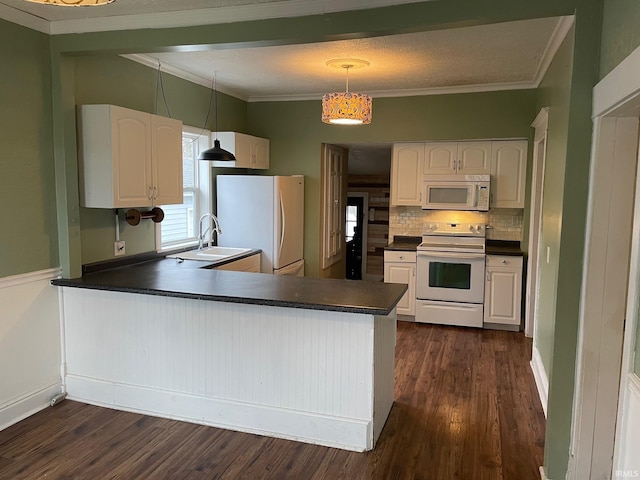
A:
(201, 234)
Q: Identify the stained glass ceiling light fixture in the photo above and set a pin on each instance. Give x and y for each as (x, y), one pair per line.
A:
(347, 108)
(73, 3)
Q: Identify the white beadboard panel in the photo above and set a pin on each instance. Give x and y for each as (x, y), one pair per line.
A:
(383, 370)
(30, 355)
(628, 460)
(308, 364)
(330, 431)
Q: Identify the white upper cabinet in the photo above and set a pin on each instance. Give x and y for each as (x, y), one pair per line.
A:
(474, 158)
(452, 158)
(250, 151)
(406, 173)
(508, 173)
(440, 158)
(128, 158)
(166, 139)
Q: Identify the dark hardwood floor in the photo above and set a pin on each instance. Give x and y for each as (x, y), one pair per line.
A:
(466, 407)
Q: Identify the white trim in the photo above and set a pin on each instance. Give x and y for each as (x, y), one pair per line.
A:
(219, 15)
(543, 475)
(25, 19)
(602, 306)
(540, 376)
(20, 408)
(619, 87)
(485, 87)
(31, 277)
(327, 430)
(541, 125)
(150, 61)
(634, 385)
(557, 37)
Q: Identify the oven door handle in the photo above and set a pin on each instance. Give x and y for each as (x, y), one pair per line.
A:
(461, 256)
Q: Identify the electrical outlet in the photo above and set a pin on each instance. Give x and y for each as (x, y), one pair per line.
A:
(118, 248)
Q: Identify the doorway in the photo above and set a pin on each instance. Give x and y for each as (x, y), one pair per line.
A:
(606, 413)
(356, 235)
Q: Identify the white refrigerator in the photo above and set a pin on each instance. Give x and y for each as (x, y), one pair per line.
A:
(265, 212)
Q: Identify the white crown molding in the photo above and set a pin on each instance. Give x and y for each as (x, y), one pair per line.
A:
(489, 87)
(211, 16)
(25, 19)
(557, 37)
(152, 62)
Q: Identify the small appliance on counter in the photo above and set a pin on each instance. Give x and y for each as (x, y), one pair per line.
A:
(450, 274)
(456, 192)
(265, 212)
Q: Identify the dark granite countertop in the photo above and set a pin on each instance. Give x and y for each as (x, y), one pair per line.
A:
(404, 243)
(191, 279)
(503, 247)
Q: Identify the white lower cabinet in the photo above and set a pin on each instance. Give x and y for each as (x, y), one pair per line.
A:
(247, 264)
(503, 290)
(400, 267)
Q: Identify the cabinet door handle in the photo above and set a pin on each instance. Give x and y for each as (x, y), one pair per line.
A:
(150, 194)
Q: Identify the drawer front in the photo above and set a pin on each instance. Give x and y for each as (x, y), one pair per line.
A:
(399, 256)
(247, 264)
(504, 261)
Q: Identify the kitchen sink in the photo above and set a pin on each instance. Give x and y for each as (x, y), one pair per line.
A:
(211, 254)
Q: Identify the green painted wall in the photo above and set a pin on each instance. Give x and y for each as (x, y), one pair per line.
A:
(554, 92)
(115, 80)
(620, 32)
(620, 37)
(296, 134)
(28, 238)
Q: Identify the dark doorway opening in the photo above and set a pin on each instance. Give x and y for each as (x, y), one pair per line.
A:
(354, 228)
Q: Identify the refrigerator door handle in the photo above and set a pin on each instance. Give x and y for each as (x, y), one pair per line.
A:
(282, 225)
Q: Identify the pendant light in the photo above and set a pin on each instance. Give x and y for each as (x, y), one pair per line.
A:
(346, 108)
(217, 153)
(73, 3)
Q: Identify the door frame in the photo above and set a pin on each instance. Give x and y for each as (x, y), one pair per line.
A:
(599, 363)
(541, 124)
(365, 223)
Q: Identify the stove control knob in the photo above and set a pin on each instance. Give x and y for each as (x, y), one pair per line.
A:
(479, 228)
(472, 228)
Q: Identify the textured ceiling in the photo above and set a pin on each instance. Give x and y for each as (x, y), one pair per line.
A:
(505, 55)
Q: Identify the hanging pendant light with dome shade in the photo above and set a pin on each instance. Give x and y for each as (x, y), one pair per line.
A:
(346, 108)
(217, 153)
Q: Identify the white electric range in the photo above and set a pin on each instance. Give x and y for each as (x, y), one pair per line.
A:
(450, 274)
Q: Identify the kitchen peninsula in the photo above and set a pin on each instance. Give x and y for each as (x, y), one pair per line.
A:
(299, 358)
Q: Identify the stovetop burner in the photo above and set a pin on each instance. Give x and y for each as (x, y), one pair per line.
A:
(453, 237)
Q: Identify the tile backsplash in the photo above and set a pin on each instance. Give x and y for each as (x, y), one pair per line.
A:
(506, 223)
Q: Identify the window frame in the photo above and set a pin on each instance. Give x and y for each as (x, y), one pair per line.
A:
(202, 188)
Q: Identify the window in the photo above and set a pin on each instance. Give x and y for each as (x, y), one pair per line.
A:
(180, 225)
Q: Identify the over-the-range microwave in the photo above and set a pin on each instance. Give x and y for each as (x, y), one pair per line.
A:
(456, 192)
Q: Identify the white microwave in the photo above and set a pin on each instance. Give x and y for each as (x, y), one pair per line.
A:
(456, 192)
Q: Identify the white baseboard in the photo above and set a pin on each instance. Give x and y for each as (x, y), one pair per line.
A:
(338, 432)
(540, 376)
(543, 476)
(16, 410)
